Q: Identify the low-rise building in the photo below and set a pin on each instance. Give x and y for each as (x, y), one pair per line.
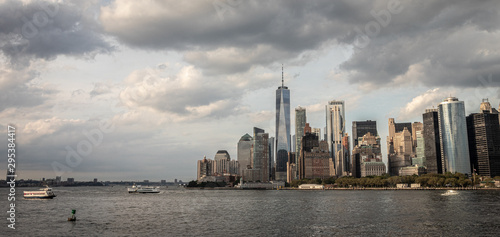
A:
(412, 170)
(311, 186)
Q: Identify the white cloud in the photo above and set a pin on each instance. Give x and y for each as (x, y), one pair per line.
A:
(418, 104)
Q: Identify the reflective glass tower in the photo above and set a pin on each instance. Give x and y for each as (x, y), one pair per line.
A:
(283, 139)
(300, 123)
(335, 130)
(453, 136)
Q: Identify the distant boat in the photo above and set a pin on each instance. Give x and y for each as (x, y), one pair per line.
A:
(450, 192)
(45, 193)
(140, 189)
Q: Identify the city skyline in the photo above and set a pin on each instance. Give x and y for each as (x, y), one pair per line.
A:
(171, 88)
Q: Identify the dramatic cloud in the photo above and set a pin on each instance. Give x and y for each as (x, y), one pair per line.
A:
(18, 90)
(188, 94)
(191, 77)
(433, 43)
(43, 29)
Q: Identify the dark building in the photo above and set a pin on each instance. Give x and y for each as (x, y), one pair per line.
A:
(401, 126)
(360, 128)
(483, 131)
(432, 142)
(309, 141)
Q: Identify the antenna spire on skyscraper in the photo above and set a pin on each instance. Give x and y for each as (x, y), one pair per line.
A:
(282, 77)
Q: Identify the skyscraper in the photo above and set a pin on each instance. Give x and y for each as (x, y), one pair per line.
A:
(245, 152)
(416, 126)
(400, 148)
(222, 161)
(453, 136)
(432, 144)
(398, 127)
(271, 167)
(367, 157)
(419, 150)
(300, 123)
(360, 128)
(483, 130)
(400, 151)
(283, 139)
(257, 148)
(335, 130)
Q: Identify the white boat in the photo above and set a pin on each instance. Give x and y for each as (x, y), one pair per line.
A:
(140, 189)
(43, 193)
(450, 192)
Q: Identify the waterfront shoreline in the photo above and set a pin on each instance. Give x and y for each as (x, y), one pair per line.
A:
(345, 189)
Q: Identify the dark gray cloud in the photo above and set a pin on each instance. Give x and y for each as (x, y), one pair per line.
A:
(443, 42)
(445, 45)
(18, 88)
(40, 29)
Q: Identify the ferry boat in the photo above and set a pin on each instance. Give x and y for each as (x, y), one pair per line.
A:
(45, 193)
(140, 189)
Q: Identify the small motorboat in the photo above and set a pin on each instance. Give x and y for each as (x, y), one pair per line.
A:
(450, 192)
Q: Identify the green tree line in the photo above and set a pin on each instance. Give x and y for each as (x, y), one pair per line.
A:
(425, 180)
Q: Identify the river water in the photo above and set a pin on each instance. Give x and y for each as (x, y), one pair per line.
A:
(111, 211)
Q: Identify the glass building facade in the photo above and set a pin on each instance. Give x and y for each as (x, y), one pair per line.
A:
(432, 143)
(453, 136)
(335, 130)
(300, 124)
(283, 139)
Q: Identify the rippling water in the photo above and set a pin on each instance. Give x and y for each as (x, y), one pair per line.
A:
(111, 211)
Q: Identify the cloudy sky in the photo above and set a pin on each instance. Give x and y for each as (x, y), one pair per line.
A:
(132, 90)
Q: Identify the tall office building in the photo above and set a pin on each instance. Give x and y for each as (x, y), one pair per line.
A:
(283, 139)
(400, 148)
(432, 144)
(205, 168)
(367, 157)
(360, 128)
(257, 148)
(245, 152)
(400, 151)
(347, 154)
(260, 156)
(300, 123)
(314, 160)
(419, 150)
(335, 130)
(222, 161)
(483, 130)
(316, 131)
(416, 126)
(271, 163)
(222, 155)
(453, 136)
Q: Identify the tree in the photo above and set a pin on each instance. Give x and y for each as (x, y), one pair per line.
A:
(192, 184)
(450, 182)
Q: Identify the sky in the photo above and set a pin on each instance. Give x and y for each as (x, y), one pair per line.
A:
(133, 90)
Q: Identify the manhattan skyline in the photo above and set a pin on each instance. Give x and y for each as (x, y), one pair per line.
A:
(178, 81)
